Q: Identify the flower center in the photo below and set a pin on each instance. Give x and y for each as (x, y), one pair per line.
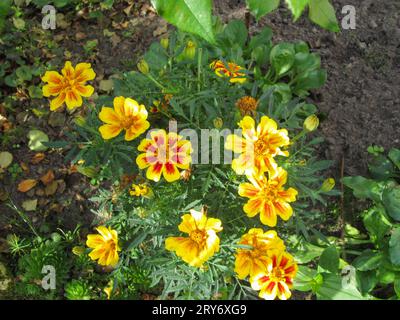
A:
(270, 192)
(277, 275)
(128, 122)
(197, 236)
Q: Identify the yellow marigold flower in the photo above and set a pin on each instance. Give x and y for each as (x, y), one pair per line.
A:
(268, 197)
(247, 105)
(105, 246)
(277, 279)
(328, 185)
(202, 242)
(69, 87)
(258, 146)
(141, 190)
(164, 154)
(127, 115)
(311, 123)
(255, 260)
(232, 71)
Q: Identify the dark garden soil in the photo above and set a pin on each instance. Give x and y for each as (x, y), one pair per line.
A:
(359, 104)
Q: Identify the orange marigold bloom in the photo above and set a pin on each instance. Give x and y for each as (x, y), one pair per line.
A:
(105, 246)
(232, 71)
(70, 86)
(202, 242)
(268, 197)
(247, 105)
(277, 278)
(253, 261)
(127, 115)
(164, 154)
(258, 146)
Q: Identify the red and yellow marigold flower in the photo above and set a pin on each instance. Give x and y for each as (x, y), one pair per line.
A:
(127, 115)
(202, 242)
(105, 246)
(258, 146)
(250, 262)
(268, 197)
(231, 71)
(164, 154)
(277, 279)
(70, 86)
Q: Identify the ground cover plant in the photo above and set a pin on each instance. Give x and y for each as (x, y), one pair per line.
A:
(201, 162)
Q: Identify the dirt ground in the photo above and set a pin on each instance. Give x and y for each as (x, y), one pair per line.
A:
(359, 104)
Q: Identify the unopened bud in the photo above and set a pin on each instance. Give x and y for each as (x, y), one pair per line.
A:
(311, 123)
(328, 185)
(143, 66)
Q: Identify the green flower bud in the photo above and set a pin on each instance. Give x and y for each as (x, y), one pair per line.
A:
(218, 123)
(143, 66)
(190, 50)
(311, 123)
(328, 185)
(164, 43)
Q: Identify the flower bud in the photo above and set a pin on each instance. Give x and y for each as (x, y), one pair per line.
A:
(218, 123)
(80, 121)
(190, 50)
(143, 66)
(78, 251)
(311, 123)
(164, 43)
(328, 185)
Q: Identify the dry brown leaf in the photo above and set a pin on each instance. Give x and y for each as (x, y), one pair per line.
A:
(24, 167)
(48, 177)
(51, 188)
(26, 185)
(38, 157)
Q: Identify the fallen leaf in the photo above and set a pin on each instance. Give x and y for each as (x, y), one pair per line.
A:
(24, 166)
(36, 137)
(48, 177)
(27, 185)
(5, 159)
(38, 157)
(106, 85)
(30, 205)
(80, 36)
(51, 188)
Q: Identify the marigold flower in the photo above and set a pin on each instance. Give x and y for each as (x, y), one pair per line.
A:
(70, 86)
(255, 260)
(247, 105)
(141, 190)
(277, 278)
(268, 197)
(258, 146)
(202, 242)
(127, 115)
(105, 246)
(232, 71)
(164, 154)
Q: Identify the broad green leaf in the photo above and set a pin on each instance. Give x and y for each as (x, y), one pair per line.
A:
(364, 188)
(310, 80)
(322, 13)
(262, 38)
(282, 58)
(36, 139)
(235, 33)
(391, 202)
(394, 155)
(368, 260)
(333, 288)
(24, 73)
(305, 279)
(397, 287)
(366, 280)
(260, 8)
(188, 15)
(297, 7)
(376, 223)
(329, 260)
(394, 247)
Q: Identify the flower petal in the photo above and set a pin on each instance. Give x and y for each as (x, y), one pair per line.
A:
(154, 172)
(170, 172)
(57, 102)
(109, 116)
(109, 131)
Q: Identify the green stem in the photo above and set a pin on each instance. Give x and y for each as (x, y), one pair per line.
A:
(24, 217)
(199, 69)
